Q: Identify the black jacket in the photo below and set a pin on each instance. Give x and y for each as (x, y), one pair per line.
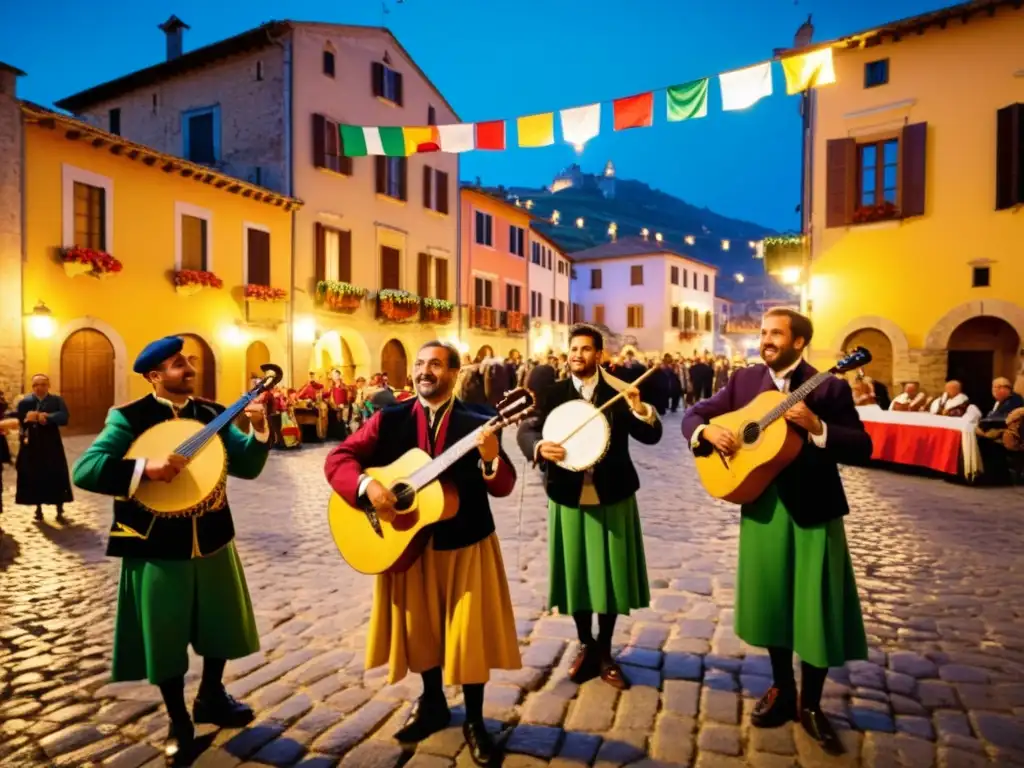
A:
(615, 477)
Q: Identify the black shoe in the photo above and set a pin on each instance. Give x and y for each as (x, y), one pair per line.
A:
(60, 514)
(179, 745)
(586, 665)
(221, 709)
(777, 707)
(481, 745)
(39, 513)
(426, 718)
(819, 728)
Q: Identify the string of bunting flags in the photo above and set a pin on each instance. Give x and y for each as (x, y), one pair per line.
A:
(740, 89)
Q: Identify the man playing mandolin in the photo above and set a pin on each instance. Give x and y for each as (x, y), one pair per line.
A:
(449, 615)
(181, 577)
(795, 588)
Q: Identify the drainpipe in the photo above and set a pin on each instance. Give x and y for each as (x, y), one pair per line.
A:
(458, 247)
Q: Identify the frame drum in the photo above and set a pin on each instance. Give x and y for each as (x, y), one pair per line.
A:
(588, 446)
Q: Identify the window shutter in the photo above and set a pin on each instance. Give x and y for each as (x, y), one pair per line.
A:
(423, 275)
(344, 161)
(319, 149)
(428, 174)
(675, 317)
(398, 88)
(840, 181)
(345, 256)
(912, 147)
(441, 279)
(441, 185)
(1009, 156)
(320, 251)
(377, 78)
(390, 270)
(403, 178)
(380, 171)
(259, 257)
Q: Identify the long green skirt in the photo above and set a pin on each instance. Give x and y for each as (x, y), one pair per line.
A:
(596, 557)
(796, 587)
(163, 605)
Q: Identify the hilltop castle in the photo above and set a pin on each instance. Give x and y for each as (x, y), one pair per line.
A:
(573, 176)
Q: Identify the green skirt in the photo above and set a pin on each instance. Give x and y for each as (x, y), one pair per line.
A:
(596, 558)
(163, 605)
(795, 587)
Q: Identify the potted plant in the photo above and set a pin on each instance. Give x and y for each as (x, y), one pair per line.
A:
(884, 211)
(339, 296)
(264, 293)
(397, 305)
(437, 311)
(190, 281)
(88, 261)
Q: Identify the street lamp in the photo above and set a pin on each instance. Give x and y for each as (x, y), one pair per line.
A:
(657, 236)
(579, 223)
(791, 275)
(41, 322)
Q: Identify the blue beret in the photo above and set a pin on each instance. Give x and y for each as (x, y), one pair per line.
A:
(156, 352)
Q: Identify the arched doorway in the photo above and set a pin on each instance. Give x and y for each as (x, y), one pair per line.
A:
(200, 355)
(880, 347)
(395, 363)
(256, 354)
(979, 350)
(87, 380)
(333, 351)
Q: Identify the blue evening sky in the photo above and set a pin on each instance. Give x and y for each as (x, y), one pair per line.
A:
(500, 59)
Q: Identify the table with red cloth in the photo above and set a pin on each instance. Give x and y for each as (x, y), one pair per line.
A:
(943, 443)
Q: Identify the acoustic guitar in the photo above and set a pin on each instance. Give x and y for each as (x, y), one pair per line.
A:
(390, 542)
(767, 443)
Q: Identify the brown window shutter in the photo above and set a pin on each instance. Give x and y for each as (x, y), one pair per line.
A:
(344, 161)
(913, 150)
(1009, 156)
(320, 249)
(840, 181)
(403, 178)
(398, 89)
(441, 185)
(441, 279)
(345, 256)
(319, 150)
(675, 317)
(390, 269)
(380, 172)
(423, 275)
(428, 178)
(259, 257)
(377, 78)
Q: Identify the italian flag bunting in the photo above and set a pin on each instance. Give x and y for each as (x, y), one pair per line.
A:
(359, 141)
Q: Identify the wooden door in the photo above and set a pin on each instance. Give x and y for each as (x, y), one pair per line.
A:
(394, 363)
(87, 380)
(200, 355)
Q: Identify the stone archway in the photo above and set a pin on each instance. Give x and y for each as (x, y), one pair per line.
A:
(395, 363)
(897, 338)
(256, 354)
(880, 346)
(120, 355)
(979, 350)
(87, 380)
(345, 350)
(938, 337)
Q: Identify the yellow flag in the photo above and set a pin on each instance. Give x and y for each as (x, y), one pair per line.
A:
(808, 70)
(536, 130)
(420, 139)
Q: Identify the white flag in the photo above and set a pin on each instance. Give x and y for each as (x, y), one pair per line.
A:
(743, 88)
(460, 137)
(581, 124)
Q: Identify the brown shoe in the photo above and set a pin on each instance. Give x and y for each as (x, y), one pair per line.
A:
(585, 666)
(612, 673)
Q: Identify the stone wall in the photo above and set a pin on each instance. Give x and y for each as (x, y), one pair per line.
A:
(12, 352)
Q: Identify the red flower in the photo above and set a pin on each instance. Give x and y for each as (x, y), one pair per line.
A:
(197, 277)
(264, 293)
(99, 261)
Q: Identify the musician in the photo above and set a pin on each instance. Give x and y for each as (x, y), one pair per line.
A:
(42, 464)
(596, 551)
(310, 389)
(795, 589)
(449, 616)
(181, 577)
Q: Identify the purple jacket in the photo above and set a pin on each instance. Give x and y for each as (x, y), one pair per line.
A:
(810, 487)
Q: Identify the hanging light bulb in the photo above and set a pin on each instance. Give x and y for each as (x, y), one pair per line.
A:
(645, 233)
(579, 223)
(555, 217)
(725, 245)
(657, 236)
(690, 239)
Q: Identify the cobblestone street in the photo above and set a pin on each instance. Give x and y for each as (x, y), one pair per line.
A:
(940, 569)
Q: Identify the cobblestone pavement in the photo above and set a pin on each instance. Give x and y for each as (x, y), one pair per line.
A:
(940, 569)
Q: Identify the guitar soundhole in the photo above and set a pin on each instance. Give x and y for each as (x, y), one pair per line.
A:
(405, 494)
(751, 432)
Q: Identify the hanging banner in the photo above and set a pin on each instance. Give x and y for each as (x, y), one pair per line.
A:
(688, 101)
(808, 70)
(743, 88)
(581, 124)
(536, 130)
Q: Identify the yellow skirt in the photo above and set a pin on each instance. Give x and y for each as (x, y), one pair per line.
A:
(451, 609)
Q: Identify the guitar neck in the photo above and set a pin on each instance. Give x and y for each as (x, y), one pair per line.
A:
(430, 472)
(794, 397)
(194, 444)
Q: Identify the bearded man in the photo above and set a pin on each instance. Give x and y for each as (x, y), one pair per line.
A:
(795, 588)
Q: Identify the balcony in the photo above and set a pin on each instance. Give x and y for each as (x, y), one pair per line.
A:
(397, 306)
(515, 322)
(436, 311)
(484, 318)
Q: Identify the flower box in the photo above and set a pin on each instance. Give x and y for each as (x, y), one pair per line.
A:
(871, 213)
(188, 282)
(338, 296)
(515, 322)
(87, 261)
(436, 311)
(76, 268)
(397, 305)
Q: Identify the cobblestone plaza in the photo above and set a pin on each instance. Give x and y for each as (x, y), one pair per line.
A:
(940, 570)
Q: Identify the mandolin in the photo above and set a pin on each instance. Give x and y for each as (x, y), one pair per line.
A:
(199, 487)
(391, 542)
(767, 443)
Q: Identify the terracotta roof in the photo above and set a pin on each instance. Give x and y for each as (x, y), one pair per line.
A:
(634, 246)
(497, 199)
(253, 39)
(75, 130)
(894, 30)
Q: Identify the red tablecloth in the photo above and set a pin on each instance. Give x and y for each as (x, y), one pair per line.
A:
(919, 446)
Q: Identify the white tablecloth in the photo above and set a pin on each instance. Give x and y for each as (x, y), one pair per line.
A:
(964, 425)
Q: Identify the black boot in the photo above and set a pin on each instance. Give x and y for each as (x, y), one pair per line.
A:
(39, 513)
(215, 705)
(179, 747)
(819, 728)
(428, 716)
(479, 742)
(60, 513)
(777, 707)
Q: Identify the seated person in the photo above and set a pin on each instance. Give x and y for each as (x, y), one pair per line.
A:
(863, 392)
(910, 399)
(1006, 401)
(952, 402)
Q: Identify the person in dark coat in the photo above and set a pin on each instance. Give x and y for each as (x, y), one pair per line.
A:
(703, 377)
(675, 384)
(540, 380)
(43, 476)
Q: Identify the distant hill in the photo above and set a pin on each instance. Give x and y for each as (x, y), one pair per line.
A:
(632, 206)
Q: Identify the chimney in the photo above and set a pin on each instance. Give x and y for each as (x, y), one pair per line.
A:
(174, 28)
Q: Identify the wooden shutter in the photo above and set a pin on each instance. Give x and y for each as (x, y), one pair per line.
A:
(390, 269)
(441, 187)
(344, 161)
(320, 249)
(345, 256)
(914, 155)
(428, 182)
(423, 275)
(377, 78)
(398, 88)
(840, 181)
(319, 150)
(403, 178)
(380, 164)
(1009, 156)
(675, 317)
(441, 279)
(259, 257)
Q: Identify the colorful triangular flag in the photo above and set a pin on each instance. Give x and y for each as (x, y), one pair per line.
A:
(490, 135)
(743, 88)
(808, 70)
(460, 137)
(536, 130)
(688, 101)
(581, 124)
(634, 111)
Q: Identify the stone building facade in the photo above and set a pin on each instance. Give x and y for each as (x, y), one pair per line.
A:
(12, 352)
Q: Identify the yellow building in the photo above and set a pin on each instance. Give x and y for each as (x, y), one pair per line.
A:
(917, 187)
(158, 216)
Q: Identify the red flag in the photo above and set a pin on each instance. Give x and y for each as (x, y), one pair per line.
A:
(490, 135)
(634, 111)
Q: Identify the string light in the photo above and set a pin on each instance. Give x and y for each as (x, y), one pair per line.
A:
(579, 223)
(644, 233)
(690, 239)
(657, 236)
(739, 277)
(555, 217)
(725, 245)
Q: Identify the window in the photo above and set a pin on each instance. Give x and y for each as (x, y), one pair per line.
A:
(876, 73)
(635, 316)
(193, 242)
(114, 121)
(675, 317)
(688, 319)
(561, 311)
(535, 252)
(391, 175)
(599, 314)
(595, 279)
(333, 253)
(435, 190)
(674, 277)
(577, 313)
(386, 82)
(548, 258)
(686, 278)
(201, 134)
(636, 275)
(390, 268)
(484, 229)
(259, 70)
(513, 297)
(431, 115)
(536, 303)
(877, 167)
(707, 284)
(1009, 156)
(90, 216)
(423, 275)
(483, 292)
(981, 277)
(327, 147)
(552, 312)
(516, 240)
(441, 279)
(257, 256)
(709, 321)
(329, 63)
